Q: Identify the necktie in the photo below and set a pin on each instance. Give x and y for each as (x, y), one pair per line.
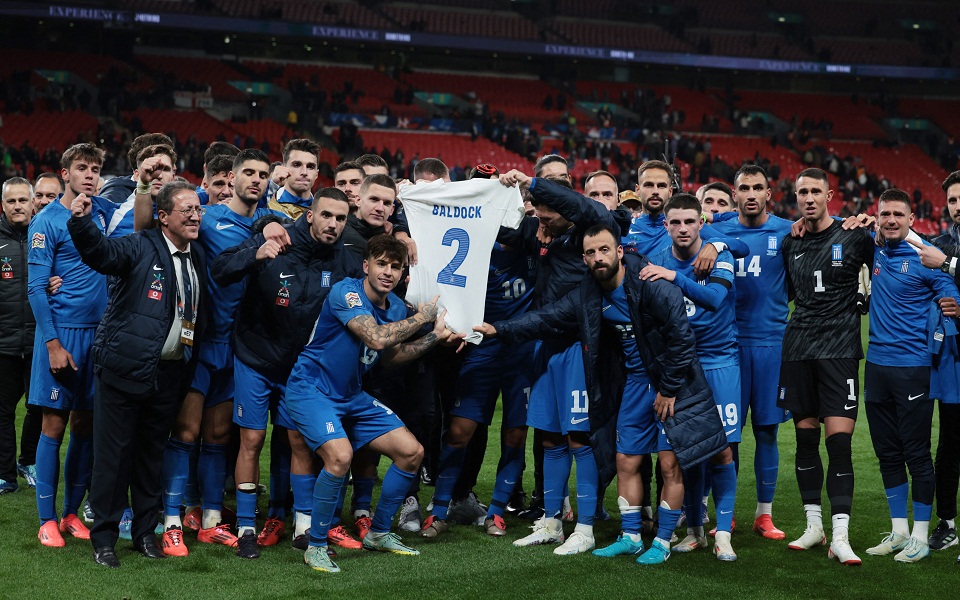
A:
(188, 308)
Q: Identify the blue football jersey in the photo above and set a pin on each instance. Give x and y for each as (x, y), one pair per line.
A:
(509, 283)
(716, 330)
(222, 228)
(762, 294)
(82, 298)
(648, 236)
(616, 312)
(334, 360)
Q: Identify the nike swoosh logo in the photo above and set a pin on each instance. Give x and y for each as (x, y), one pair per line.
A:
(497, 272)
(804, 468)
(798, 255)
(42, 497)
(581, 495)
(844, 474)
(578, 421)
(912, 398)
(768, 483)
(282, 276)
(221, 227)
(510, 482)
(725, 512)
(4, 246)
(731, 432)
(157, 268)
(604, 309)
(849, 407)
(545, 492)
(348, 244)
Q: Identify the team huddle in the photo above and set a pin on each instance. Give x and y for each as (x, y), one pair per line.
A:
(175, 323)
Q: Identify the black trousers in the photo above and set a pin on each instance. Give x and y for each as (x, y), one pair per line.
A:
(948, 461)
(130, 432)
(16, 384)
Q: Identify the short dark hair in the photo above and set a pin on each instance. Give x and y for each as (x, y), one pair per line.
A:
(433, 166)
(156, 150)
(387, 246)
(751, 169)
(143, 141)
(301, 145)
(347, 165)
(220, 149)
(85, 152)
(219, 163)
(814, 173)
(545, 160)
(248, 155)
(952, 178)
(378, 179)
(328, 192)
(49, 175)
(598, 228)
(601, 173)
(896, 195)
(682, 201)
(372, 160)
(168, 191)
(718, 185)
(655, 164)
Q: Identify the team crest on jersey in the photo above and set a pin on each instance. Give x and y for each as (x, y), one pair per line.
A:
(876, 267)
(836, 254)
(325, 278)
(905, 266)
(772, 242)
(38, 241)
(156, 287)
(283, 295)
(6, 270)
(353, 299)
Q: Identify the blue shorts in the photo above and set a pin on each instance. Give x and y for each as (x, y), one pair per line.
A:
(256, 396)
(214, 376)
(558, 400)
(72, 390)
(361, 419)
(725, 383)
(760, 385)
(638, 431)
(496, 369)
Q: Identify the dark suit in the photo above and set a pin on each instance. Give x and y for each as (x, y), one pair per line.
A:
(137, 394)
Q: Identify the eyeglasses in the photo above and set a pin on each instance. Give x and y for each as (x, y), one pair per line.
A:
(186, 212)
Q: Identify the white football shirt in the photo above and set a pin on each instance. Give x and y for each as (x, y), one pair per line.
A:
(455, 225)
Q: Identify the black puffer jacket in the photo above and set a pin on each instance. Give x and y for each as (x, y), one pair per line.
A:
(667, 347)
(135, 325)
(17, 324)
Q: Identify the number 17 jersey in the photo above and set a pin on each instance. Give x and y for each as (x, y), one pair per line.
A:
(824, 273)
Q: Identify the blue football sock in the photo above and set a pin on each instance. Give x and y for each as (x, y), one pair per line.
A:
(326, 491)
(922, 512)
(506, 481)
(556, 472)
(448, 471)
(392, 493)
(338, 513)
(669, 517)
(724, 494)
(303, 492)
(630, 520)
(693, 491)
(587, 481)
(766, 461)
(48, 476)
(279, 473)
(247, 506)
(176, 466)
(212, 473)
(897, 501)
(77, 468)
(363, 492)
(191, 493)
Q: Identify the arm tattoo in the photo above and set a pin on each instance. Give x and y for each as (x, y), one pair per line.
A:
(415, 349)
(384, 336)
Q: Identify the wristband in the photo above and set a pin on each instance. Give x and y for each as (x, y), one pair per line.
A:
(143, 188)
